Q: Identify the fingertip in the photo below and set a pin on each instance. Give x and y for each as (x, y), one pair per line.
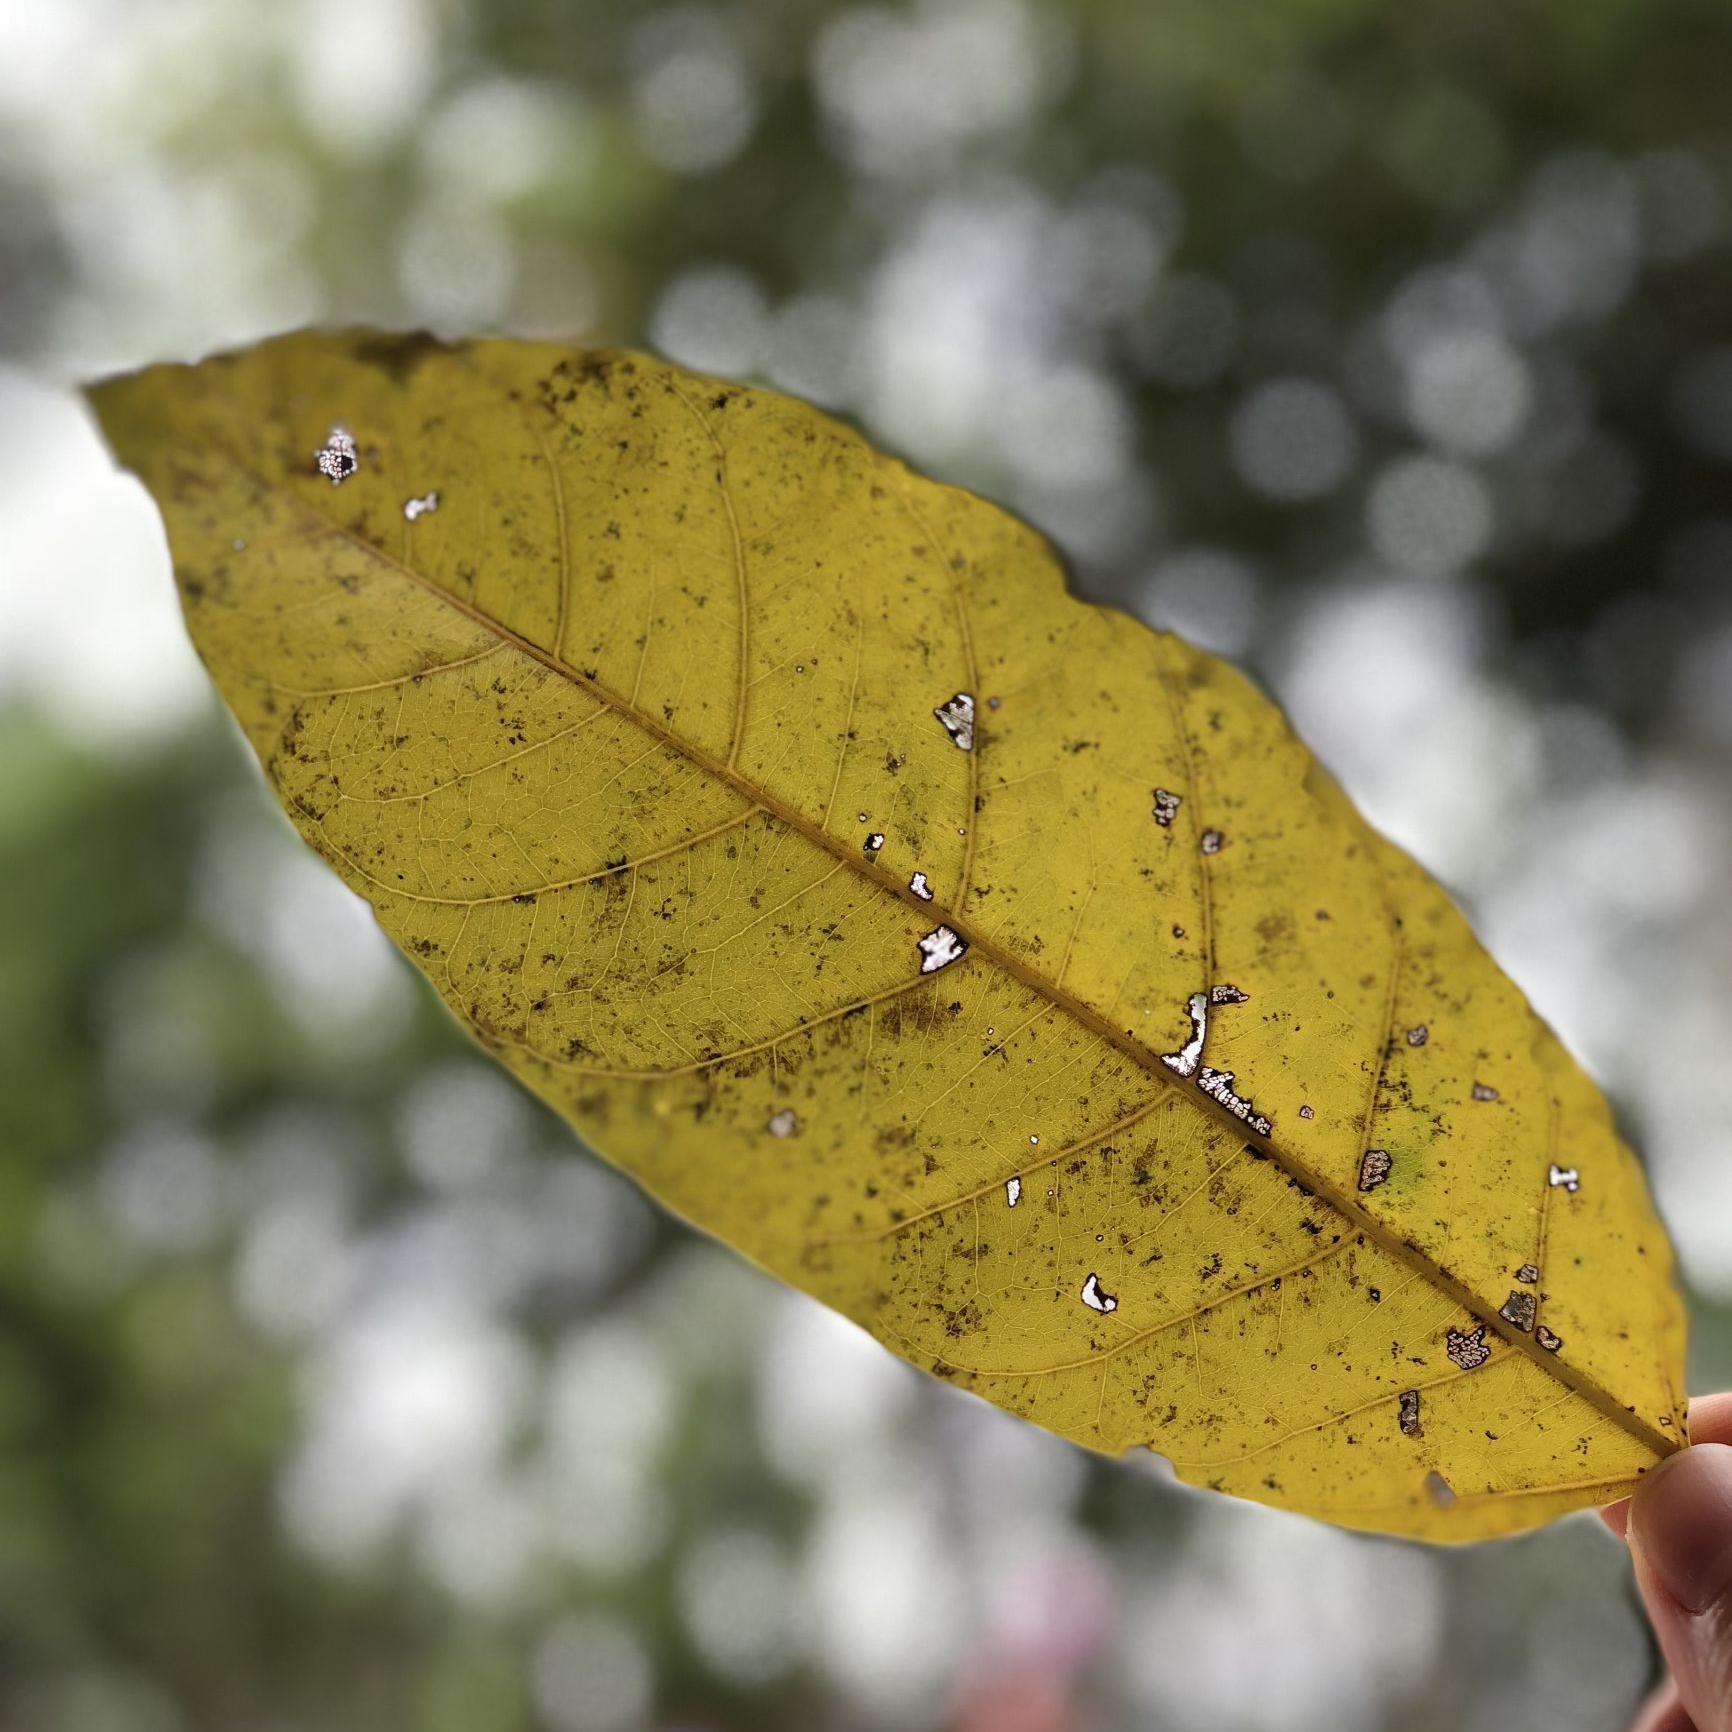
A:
(1710, 1422)
(1711, 1418)
(1681, 1520)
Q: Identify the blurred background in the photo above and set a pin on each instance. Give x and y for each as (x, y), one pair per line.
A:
(1383, 348)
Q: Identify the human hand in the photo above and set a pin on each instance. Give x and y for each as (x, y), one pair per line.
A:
(1679, 1528)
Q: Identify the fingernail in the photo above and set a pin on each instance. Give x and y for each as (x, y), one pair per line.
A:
(1681, 1523)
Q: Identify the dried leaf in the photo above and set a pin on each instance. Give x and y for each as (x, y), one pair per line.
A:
(1000, 971)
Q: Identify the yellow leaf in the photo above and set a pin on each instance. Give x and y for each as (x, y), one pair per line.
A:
(994, 968)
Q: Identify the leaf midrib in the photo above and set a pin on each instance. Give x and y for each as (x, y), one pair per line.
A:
(1339, 1201)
